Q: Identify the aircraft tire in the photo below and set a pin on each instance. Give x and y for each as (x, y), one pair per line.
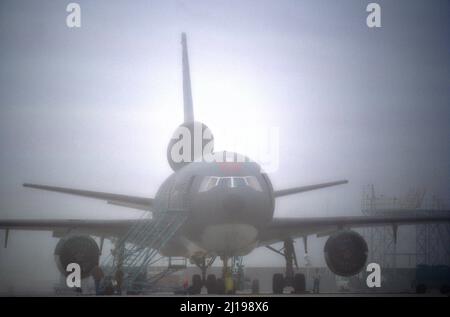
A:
(211, 284)
(299, 283)
(196, 284)
(255, 286)
(278, 283)
(220, 286)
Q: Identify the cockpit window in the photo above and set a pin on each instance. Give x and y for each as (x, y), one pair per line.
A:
(253, 183)
(239, 182)
(209, 182)
(228, 181)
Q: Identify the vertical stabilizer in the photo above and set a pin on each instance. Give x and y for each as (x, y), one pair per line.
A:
(192, 139)
(187, 92)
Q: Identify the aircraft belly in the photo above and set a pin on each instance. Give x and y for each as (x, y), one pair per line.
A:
(229, 239)
(223, 239)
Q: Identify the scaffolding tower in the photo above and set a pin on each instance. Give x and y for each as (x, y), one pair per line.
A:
(432, 241)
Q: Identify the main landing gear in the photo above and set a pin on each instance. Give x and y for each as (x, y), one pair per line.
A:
(296, 281)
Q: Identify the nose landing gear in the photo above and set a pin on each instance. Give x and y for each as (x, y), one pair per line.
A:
(227, 276)
(220, 286)
(198, 281)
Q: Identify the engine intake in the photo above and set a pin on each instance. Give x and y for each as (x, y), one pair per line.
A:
(346, 253)
(82, 250)
(189, 142)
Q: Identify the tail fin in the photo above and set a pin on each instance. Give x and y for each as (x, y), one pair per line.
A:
(187, 92)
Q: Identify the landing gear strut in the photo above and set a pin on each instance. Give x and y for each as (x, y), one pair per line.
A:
(221, 285)
(203, 264)
(227, 278)
(297, 281)
(198, 281)
(117, 273)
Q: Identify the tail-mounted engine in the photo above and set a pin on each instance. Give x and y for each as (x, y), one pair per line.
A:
(191, 141)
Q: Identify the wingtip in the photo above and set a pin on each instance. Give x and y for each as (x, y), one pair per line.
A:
(29, 185)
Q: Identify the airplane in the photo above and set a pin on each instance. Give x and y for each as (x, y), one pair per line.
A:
(229, 206)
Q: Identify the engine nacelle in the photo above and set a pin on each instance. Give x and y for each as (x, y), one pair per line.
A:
(189, 142)
(82, 250)
(346, 253)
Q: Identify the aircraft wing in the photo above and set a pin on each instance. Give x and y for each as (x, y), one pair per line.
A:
(302, 189)
(60, 227)
(283, 228)
(135, 202)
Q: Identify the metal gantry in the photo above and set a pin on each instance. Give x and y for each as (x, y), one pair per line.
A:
(431, 240)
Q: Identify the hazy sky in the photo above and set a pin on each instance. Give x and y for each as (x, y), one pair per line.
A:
(94, 107)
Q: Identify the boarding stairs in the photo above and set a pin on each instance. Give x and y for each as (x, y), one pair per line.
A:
(138, 248)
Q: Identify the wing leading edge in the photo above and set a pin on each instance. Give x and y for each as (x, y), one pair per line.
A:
(61, 227)
(283, 228)
(296, 190)
(115, 199)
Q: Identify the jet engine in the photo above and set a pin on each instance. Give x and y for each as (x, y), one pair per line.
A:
(346, 253)
(82, 250)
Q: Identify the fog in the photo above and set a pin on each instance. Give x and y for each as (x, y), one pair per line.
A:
(94, 107)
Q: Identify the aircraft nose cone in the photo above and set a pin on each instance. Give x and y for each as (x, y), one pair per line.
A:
(233, 205)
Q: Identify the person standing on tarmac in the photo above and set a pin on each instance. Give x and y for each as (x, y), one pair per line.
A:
(316, 284)
(97, 275)
(119, 281)
(186, 286)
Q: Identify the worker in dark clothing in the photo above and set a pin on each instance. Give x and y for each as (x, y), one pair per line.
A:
(316, 282)
(108, 288)
(97, 275)
(186, 286)
(119, 281)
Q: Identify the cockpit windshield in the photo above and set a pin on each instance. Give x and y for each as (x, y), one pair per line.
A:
(209, 182)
